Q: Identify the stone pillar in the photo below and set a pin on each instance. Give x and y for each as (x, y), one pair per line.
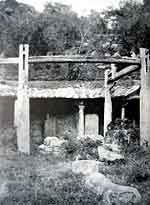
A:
(145, 98)
(81, 120)
(113, 70)
(107, 104)
(123, 113)
(22, 109)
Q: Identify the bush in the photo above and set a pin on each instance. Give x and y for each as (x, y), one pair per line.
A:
(123, 133)
(85, 148)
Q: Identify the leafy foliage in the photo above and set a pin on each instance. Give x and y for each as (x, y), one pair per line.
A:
(82, 148)
(130, 22)
(122, 133)
(59, 30)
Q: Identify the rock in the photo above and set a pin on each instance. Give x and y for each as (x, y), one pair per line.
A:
(85, 166)
(112, 193)
(108, 155)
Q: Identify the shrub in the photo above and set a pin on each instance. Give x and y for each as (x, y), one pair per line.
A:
(85, 148)
(122, 132)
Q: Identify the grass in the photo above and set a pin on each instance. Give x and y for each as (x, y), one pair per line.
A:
(135, 171)
(46, 180)
(41, 180)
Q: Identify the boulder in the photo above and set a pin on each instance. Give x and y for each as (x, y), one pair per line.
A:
(108, 155)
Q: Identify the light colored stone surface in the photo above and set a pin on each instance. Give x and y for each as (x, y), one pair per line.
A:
(85, 166)
(91, 124)
(51, 144)
(108, 155)
(53, 141)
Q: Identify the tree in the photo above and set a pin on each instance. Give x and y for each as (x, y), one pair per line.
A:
(58, 27)
(17, 25)
(131, 25)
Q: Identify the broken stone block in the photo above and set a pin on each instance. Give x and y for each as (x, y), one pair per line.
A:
(51, 145)
(108, 155)
(53, 141)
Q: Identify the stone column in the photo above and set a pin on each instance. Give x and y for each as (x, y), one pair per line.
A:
(81, 120)
(123, 113)
(22, 105)
(107, 104)
(145, 98)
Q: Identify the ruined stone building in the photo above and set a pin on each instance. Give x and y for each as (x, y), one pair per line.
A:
(60, 107)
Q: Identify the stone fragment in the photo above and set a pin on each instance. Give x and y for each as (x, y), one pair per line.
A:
(53, 141)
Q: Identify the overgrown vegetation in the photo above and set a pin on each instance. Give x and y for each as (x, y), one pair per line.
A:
(59, 30)
(122, 132)
(134, 172)
(40, 180)
(85, 148)
(45, 179)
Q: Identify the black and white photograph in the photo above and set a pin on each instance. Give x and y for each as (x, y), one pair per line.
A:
(74, 102)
